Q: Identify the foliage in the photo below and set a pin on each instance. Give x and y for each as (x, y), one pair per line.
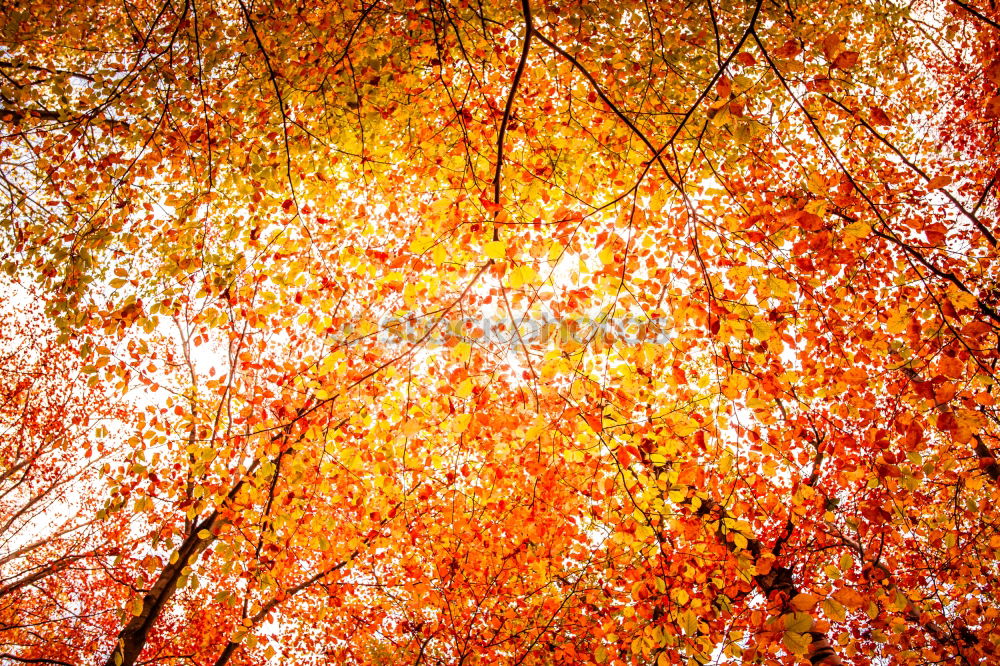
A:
(476, 332)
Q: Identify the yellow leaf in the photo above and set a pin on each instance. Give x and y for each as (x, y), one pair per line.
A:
(420, 244)
(898, 603)
(555, 251)
(688, 622)
(761, 329)
(834, 610)
(797, 643)
(816, 184)
(798, 622)
(461, 352)
(520, 275)
(778, 287)
(464, 390)
(846, 562)
(496, 249)
(136, 607)
(461, 423)
(659, 199)
(857, 230)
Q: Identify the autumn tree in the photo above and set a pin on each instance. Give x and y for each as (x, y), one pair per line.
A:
(528, 333)
(59, 432)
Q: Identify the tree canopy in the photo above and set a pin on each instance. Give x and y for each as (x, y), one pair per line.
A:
(475, 332)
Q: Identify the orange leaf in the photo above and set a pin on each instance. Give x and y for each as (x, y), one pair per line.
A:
(804, 601)
(846, 60)
(849, 598)
(938, 182)
(879, 117)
